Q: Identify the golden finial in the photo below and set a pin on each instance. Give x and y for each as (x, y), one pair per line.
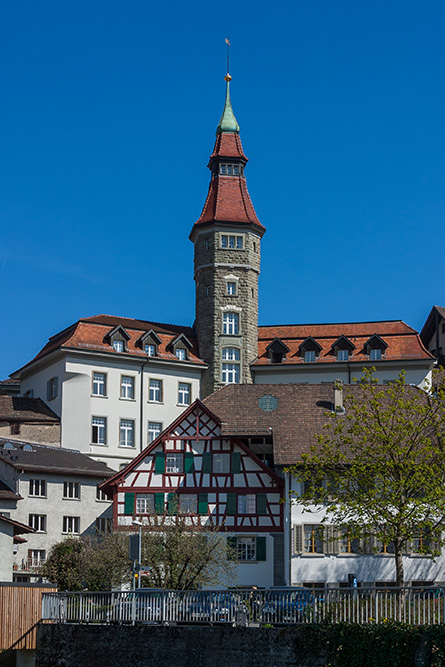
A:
(227, 77)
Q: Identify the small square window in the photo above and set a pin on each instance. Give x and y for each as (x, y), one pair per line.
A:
(342, 355)
(37, 487)
(145, 503)
(231, 288)
(71, 524)
(14, 428)
(118, 345)
(71, 490)
(150, 350)
(188, 503)
(375, 354)
(104, 525)
(174, 462)
(221, 463)
(246, 548)
(309, 356)
(181, 354)
(38, 522)
(246, 503)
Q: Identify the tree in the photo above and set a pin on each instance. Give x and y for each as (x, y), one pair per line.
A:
(378, 467)
(93, 563)
(179, 552)
(183, 554)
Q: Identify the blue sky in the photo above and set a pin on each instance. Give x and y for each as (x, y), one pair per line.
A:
(108, 117)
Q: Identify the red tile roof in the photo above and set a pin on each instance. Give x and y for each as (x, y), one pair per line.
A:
(22, 409)
(89, 334)
(403, 341)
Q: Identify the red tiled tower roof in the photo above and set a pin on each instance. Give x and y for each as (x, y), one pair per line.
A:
(228, 199)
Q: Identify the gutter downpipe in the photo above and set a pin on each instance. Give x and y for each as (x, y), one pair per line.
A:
(141, 407)
(288, 520)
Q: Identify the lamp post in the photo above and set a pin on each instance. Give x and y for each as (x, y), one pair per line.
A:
(138, 522)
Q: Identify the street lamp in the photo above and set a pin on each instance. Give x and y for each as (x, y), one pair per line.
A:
(138, 522)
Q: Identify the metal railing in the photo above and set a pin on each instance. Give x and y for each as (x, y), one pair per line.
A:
(416, 606)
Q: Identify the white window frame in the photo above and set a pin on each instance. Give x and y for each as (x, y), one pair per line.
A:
(246, 548)
(145, 503)
(101, 495)
(231, 325)
(37, 488)
(154, 390)
(38, 522)
(154, 430)
(375, 354)
(221, 463)
(181, 354)
(232, 242)
(37, 557)
(174, 463)
(150, 350)
(99, 383)
(71, 490)
(247, 503)
(98, 430)
(309, 356)
(118, 346)
(188, 503)
(71, 525)
(184, 393)
(126, 433)
(313, 538)
(343, 355)
(104, 525)
(127, 387)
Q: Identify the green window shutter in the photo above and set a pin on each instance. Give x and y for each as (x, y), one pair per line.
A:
(172, 503)
(159, 503)
(203, 503)
(231, 503)
(232, 549)
(160, 462)
(207, 462)
(129, 503)
(261, 506)
(261, 548)
(188, 462)
(236, 462)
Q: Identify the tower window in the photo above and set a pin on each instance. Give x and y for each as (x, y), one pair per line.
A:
(227, 169)
(231, 324)
(231, 288)
(232, 242)
(230, 365)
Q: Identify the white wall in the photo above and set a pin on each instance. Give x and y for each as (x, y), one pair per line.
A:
(6, 550)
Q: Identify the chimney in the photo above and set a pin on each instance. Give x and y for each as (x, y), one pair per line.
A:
(338, 396)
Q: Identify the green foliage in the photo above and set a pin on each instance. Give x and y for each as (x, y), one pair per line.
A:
(94, 564)
(379, 467)
(384, 645)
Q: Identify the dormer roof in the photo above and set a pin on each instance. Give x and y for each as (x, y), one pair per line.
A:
(119, 329)
(343, 343)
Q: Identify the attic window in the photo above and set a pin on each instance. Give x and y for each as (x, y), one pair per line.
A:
(375, 354)
(309, 356)
(342, 355)
(150, 350)
(118, 345)
(276, 351)
(181, 353)
(309, 350)
(149, 342)
(375, 347)
(343, 348)
(117, 338)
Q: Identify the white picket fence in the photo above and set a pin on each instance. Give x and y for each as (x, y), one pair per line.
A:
(416, 606)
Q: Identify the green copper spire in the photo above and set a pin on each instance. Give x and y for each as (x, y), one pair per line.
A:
(227, 122)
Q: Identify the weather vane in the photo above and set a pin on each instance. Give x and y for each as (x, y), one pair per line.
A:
(228, 77)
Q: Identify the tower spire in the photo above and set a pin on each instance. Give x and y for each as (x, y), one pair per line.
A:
(228, 122)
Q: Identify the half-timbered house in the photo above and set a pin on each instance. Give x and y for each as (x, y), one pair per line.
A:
(191, 469)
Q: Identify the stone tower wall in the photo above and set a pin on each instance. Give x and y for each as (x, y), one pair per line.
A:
(214, 266)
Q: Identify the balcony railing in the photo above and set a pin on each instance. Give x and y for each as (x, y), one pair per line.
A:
(30, 564)
(416, 606)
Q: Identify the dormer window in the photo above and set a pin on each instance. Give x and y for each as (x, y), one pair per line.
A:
(117, 338)
(375, 347)
(229, 169)
(276, 351)
(343, 348)
(309, 350)
(149, 342)
(180, 347)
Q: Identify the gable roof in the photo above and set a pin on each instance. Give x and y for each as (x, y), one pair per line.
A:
(42, 458)
(8, 494)
(403, 342)
(291, 413)
(19, 408)
(89, 334)
(19, 528)
(429, 328)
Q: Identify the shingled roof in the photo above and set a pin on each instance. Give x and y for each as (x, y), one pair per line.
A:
(6, 493)
(90, 333)
(291, 413)
(402, 341)
(42, 458)
(19, 408)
